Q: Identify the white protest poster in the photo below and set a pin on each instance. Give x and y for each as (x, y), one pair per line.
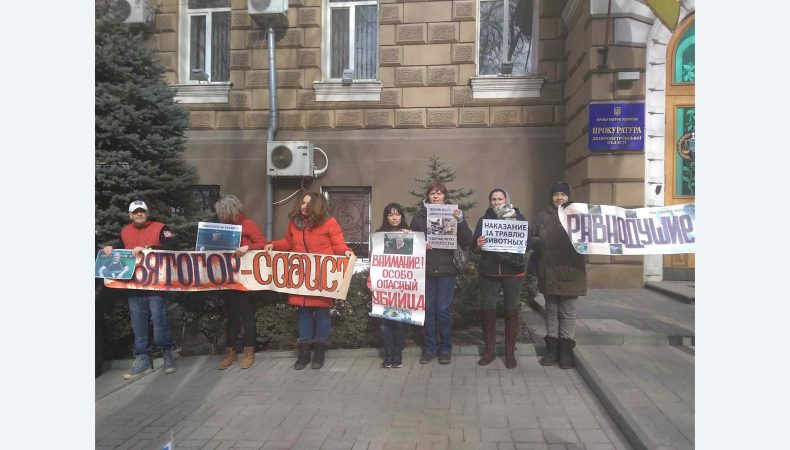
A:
(217, 236)
(442, 228)
(507, 236)
(397, 277)
(611, 230)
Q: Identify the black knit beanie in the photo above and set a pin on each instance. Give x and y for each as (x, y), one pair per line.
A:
(560, 186)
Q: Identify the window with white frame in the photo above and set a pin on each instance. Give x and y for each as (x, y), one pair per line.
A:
(353, 39)
(507, 30)
(207, 52)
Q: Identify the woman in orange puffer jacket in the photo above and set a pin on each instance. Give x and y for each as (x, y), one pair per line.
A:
(312, 230)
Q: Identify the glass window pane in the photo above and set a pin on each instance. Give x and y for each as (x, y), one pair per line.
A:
(338, 42)
(366, 45)
(685, 154)
(197, 4)
(684, 58)
(197, 46)
(520, 32)
(490, 57)
(519, 51)
(220, 46)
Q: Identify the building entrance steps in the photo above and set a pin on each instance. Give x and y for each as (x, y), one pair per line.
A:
(635, 349)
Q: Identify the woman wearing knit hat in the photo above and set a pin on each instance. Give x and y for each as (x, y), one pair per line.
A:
(499, 270)
(562, 278)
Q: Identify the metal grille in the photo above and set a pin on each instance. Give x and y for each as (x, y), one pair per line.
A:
(350, 206)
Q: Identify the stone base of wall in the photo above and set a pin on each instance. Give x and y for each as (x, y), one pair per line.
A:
(608, 276)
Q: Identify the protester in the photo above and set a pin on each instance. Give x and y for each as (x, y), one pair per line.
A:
(440, 276)
(393, 332)
(562, 278)
(138, 235)
(499, 270)
(312, 230)
(238, 304)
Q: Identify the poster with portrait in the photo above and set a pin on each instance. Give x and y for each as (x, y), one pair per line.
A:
(217, 237)
(397, 277)
(118, 266)
(442, 228)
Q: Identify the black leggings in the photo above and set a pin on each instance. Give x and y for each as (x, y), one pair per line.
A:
(239, 308)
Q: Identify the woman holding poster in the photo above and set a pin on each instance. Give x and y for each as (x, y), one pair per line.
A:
(393, 332)
(562, 278)
(499, 270)
(238, 305)
(312, 230)
(440, 273)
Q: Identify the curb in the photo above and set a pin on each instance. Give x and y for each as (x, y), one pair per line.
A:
(670, 292)
(624, 420)
(627, 424)
(458, 350)
(612, 338)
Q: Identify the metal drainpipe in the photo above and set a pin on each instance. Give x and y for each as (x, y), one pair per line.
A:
(271, 131)
(604, 51)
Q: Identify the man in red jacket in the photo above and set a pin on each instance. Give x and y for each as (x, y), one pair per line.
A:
(139, 235)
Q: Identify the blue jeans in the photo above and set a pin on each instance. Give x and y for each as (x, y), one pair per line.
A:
(393, 333)
(438, 296)
(313, 316)
(142, 306)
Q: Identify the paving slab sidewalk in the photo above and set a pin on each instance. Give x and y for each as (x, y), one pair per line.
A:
(353, 403)
(635, 350)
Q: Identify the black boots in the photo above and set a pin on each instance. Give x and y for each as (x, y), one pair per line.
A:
(566, 346)
(302, 356)
(488, 321)
(319, 350)
(393, 357)
(550, 358)
(511, 334)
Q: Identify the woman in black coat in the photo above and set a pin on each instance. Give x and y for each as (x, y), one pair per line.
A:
(440, 273)
(562, 278)
(499, 270)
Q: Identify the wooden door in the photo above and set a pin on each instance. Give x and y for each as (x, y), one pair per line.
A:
(679, 136)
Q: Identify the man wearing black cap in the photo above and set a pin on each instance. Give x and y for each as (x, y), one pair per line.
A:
(143, 234)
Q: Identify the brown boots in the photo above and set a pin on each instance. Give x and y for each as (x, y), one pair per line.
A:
(230, 357)
(511, 335)
(249, 357)
(488, 320)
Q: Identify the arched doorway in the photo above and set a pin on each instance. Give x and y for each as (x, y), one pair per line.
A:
(679, 155)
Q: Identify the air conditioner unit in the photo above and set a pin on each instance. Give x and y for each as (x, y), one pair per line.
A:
(267, 7)
(132, 11)
(289, 158)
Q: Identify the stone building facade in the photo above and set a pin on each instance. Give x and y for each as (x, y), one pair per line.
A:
(433, 93)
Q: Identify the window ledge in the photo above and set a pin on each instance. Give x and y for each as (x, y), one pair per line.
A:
(358, 91)
(518, 86)
(202, 93)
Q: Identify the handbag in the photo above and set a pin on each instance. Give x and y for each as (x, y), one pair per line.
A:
(460, 258)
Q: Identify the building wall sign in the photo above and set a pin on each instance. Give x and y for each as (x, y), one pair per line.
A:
(616, 126)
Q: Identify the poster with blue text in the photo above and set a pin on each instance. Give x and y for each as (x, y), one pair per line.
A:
(611, 230)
